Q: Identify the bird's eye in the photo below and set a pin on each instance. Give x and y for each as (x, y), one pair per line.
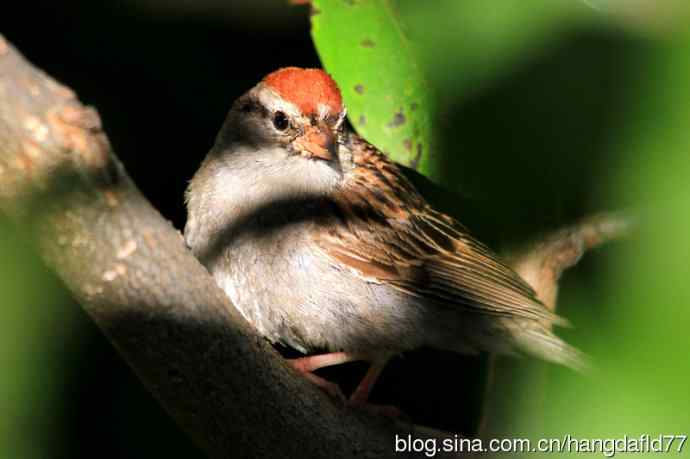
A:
(280, 121)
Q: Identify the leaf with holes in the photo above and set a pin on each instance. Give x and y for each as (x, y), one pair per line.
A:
(363, 45)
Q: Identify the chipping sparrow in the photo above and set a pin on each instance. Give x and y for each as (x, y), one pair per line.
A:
(322, 244)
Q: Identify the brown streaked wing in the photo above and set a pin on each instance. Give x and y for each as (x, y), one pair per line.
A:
(385, 232)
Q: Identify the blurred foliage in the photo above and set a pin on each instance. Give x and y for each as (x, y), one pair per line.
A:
(635, 320)
(29, 344)
(644, 370)
(365, 46)
(467, 44)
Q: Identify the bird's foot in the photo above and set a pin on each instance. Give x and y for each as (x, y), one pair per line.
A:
(331, 389)
(358, 399)
(306, 366)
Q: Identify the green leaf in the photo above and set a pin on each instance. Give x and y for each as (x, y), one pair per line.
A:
(364, 46)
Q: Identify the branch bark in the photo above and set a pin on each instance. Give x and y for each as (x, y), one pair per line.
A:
(130, 270)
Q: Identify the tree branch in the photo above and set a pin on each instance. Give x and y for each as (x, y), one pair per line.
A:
(131, 272)
(542, 262)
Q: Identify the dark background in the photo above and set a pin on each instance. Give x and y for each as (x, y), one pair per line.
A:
(528, 152)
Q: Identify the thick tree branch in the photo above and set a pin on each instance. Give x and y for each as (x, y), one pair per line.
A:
(133, 275)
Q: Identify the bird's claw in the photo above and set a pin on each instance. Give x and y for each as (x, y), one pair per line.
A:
(331, 389)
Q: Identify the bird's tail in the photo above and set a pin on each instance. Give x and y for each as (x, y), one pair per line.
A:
(542, 343)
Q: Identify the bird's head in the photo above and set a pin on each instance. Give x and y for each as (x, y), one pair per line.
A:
(299, 110)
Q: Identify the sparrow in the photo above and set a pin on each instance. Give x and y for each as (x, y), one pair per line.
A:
(322, 243)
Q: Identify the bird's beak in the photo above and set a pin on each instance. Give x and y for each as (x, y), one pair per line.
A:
(317, 142)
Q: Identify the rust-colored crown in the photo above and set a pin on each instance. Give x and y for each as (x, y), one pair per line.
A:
(306, 88)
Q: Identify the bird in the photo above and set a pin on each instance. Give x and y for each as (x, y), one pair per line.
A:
(323, 244)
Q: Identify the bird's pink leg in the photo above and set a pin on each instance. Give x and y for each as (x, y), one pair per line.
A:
(360, 396)
(314, 362)
(305, 365)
